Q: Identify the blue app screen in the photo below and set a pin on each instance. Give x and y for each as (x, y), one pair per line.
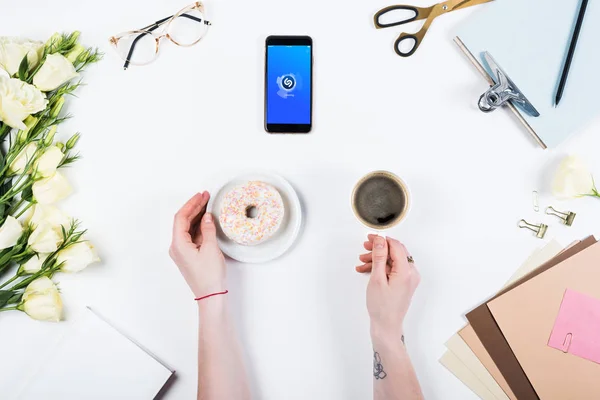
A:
(288, 84)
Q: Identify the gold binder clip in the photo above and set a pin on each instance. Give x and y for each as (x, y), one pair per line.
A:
(566, 217)
(540, 230)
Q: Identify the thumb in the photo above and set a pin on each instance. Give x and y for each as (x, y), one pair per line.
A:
(208, 229)
(380, 256)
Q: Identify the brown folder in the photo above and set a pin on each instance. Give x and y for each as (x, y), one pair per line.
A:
(488, 331)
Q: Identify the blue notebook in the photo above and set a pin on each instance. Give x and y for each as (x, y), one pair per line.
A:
(529, 40)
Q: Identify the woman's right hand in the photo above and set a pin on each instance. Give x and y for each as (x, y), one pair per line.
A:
(393, 282)
(195, 250)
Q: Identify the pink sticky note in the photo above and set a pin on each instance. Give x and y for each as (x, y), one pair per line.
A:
(577, 327)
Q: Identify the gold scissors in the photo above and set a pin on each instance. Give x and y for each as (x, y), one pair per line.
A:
(428, 14)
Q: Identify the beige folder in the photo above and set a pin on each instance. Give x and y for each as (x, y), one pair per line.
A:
(526, 316)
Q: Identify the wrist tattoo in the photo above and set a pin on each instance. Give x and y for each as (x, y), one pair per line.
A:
(402, 338)
(378, 371)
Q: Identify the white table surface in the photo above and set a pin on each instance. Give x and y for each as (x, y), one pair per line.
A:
(154, 135)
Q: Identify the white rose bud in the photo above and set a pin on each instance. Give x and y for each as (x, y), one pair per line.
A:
(45, 238)
(75, 53)
(18, 165)
(48, 162)
(572, 179)
(34, 264)
(10, 232)
(50, 214)
(18, 100)
(55, 71)
(77, 256)
(52, 189)
(14, 50)
(41, 300)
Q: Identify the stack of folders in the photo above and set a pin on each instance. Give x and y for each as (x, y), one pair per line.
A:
(539, 337)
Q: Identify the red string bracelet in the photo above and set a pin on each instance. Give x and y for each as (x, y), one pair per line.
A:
(211, 295)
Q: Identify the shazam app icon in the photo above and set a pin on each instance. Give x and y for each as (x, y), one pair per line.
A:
(287, 84)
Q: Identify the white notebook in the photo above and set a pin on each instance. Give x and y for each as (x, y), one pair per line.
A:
(529, 40)
(94, 361)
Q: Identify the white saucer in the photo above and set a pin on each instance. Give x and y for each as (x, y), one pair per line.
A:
(285, 237)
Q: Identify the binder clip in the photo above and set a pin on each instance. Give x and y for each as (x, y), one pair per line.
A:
(504, 90)
(566, 217)
(540, 230)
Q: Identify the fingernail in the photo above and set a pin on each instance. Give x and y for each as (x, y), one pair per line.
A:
(208, 218)
(379, 242)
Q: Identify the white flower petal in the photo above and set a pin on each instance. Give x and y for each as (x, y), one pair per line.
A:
(52, 189)
(10, 232)
(50, 214)
(23, 158)
(45, 238)
(77, 256)
(34, 264)
(572, 179)
(47, 164)
(13, 51)
(18, 100)
(55, 71)
(41, 300)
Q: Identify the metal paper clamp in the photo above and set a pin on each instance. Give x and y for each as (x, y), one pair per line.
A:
(503, 91)
(566, 217)
(540, 230)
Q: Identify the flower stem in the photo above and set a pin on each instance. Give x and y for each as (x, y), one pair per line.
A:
(15, 207)
(11, 280)
(9, 309)
(27, 207)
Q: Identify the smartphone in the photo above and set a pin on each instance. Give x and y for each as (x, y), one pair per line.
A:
(288, 84)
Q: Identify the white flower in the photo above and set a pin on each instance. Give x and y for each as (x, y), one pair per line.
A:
(572, 179)
(41, 300)
(23, 158)
(50, 214)
(34, 264)
(10, 232)
(55, 71)
(14, 50)
(52, 189)
(45, 238)
(48, 162)
(77, 256)
(18, 100)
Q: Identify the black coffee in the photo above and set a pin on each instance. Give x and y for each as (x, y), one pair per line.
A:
(379, 200)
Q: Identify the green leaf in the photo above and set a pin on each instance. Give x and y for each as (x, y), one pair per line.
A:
(24, 69)
(27, 194)
(5, 297)
(16, 298)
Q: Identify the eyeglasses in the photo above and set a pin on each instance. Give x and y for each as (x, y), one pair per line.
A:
(140, 47)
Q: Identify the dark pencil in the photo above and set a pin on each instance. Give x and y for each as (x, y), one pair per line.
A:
(567, 66)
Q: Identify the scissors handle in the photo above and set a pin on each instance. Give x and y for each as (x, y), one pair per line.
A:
(419, 13)
(416, 38)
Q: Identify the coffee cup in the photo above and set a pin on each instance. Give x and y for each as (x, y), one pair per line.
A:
(381, 200)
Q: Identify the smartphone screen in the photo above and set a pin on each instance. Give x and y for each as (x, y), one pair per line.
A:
(288, 84)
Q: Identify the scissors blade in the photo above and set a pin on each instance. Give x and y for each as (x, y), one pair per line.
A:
(460, 4)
